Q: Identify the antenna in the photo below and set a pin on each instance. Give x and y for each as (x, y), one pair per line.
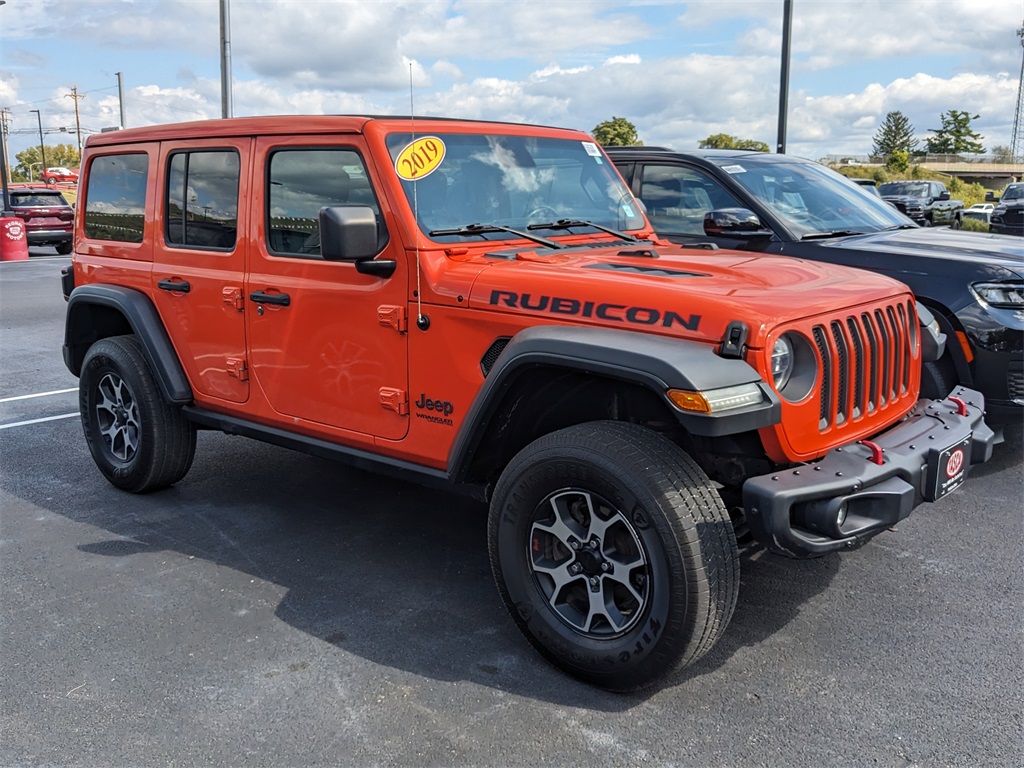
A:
(422, 322)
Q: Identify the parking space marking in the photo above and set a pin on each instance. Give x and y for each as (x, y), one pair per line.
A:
(37, 394)
(38, 421)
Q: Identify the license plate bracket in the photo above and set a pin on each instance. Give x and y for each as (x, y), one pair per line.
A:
(947, 469)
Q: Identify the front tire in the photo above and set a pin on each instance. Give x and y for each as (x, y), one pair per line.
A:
(613, 553)
(938, 378)
(138, 440)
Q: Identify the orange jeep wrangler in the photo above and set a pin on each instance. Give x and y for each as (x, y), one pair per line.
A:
(485, 306)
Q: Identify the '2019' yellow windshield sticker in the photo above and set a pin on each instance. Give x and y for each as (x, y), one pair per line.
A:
(420, 158)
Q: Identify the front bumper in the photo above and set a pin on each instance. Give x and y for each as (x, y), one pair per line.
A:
(847, 497)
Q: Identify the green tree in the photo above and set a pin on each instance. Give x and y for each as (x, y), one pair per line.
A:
(899, 161)
(1002, 154)
(725, 141)
(895, 134)
(955, 137)
(65, 155)
(617, 132)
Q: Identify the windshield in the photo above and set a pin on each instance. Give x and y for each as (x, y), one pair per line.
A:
(454, 180)
(811, 199)
(905, 188)
(1014, 192)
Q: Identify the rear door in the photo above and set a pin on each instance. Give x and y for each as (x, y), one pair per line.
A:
(198, 261)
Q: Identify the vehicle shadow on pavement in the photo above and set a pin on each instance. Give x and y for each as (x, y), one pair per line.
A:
(385, 570)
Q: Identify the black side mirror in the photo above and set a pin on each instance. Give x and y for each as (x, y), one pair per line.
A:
(349, 233)
(943, 195)
(734, 222)
(990, 197)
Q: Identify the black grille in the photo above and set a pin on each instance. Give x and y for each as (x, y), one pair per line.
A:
(866, 360)
(491, 355)
(1015, 381)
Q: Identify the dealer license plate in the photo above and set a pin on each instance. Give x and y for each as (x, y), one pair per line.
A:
(947, 469)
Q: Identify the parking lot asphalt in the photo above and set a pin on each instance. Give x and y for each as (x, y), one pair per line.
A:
(274, 609)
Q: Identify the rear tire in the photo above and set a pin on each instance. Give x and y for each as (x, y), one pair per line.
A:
(613, 553)
(138, 440)
(63, 248)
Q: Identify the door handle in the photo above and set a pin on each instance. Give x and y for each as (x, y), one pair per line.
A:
(175, 285)
(281, 299)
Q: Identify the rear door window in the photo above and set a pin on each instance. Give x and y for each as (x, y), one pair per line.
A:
(202, 199)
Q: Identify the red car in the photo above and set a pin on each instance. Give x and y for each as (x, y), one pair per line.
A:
(59, 175)
(48, 217)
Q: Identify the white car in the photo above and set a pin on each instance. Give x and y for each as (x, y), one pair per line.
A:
(980, 211)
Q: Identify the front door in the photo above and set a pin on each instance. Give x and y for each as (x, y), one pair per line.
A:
(327, 344)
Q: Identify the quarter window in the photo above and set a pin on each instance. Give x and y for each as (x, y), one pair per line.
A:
(202, 199)
(115, 198)
(300, 183)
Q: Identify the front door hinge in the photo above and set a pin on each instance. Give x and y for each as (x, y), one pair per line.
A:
(392, 316)
(394, 400)
(237, 368)
(233, 297)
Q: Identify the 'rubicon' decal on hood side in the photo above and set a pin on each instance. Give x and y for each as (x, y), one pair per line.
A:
(621, 313)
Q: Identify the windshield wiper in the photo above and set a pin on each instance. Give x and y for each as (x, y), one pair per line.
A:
(901, 226)
(567, 223)
(826, 235)
(483, 229)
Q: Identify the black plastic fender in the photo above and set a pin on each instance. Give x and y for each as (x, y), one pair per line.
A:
(84, 326)
(658, 363)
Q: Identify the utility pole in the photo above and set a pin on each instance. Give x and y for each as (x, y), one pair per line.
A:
(787, 28)
(42, 147)
(78, 125)
(120, 98)
(5, 115)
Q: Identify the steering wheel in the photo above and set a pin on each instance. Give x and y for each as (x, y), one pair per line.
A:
(543, 212)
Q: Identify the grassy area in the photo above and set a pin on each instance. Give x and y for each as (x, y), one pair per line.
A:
(974, 225)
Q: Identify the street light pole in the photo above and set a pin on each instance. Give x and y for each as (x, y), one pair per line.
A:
(120, 98)
(42, 147)
(787, 28)
(226, 109)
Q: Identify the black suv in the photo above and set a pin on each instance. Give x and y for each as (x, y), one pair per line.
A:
(779, 204)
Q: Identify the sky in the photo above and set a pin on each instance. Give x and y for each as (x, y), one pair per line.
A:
(679, 71)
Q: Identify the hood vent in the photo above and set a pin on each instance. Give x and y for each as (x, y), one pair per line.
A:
(652, 271)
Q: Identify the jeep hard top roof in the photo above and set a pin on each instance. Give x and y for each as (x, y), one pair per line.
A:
(293, 124)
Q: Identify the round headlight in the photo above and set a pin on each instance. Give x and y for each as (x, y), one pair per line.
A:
(782, 362)
(794, 366)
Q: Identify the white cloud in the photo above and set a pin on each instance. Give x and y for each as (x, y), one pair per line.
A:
(711, 67)
(629, 58)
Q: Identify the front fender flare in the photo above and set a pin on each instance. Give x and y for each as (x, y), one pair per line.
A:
(658, 363)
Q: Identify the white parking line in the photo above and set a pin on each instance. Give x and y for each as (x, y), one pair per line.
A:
(38, 421)
(38, 394)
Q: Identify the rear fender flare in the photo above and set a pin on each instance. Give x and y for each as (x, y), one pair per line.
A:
(97, 311)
